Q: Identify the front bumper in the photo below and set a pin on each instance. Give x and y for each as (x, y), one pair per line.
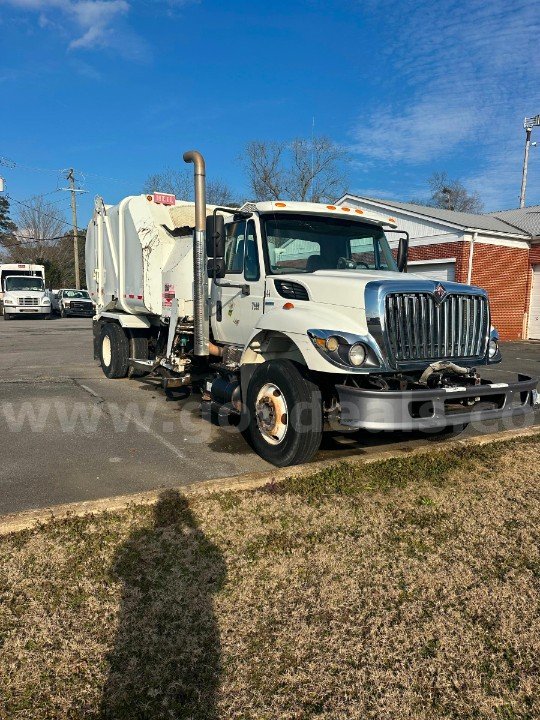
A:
(27, 309)
(79, 312)
(433, 409)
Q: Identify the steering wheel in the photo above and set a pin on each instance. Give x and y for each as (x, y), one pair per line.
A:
(346, 263)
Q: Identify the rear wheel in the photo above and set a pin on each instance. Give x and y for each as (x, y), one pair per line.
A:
(138, 349)
(113, 351)
(284, 414)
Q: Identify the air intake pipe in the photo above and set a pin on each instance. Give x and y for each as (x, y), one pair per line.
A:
(200, 272)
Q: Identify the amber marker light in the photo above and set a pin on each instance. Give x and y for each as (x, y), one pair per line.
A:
(360, 212)
(149, 198)
(346, 209)
(288, 306)
(330, 207)
(280, 204)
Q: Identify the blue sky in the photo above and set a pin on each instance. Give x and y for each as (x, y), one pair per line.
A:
(120, 88)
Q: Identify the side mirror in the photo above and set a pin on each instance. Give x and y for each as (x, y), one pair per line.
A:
(215, 235)
(216, 268)
(403, 253)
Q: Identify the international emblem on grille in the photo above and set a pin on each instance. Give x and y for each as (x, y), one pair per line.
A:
(439, 293)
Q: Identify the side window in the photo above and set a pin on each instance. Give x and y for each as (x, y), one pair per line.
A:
(366, 252)
(251, 257)
(234, 247)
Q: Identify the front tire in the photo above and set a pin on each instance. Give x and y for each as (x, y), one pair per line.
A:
(113, 351)
(284, 413)
(7, 316)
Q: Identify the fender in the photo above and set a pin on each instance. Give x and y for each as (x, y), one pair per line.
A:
(282, 333)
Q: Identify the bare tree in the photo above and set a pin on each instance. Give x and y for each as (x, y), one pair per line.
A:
(451, 195)
(180, 183)
(263, 163)
(303, 170)
(42, 238)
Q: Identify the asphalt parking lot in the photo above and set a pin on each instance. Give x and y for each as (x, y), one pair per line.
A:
(69, 434)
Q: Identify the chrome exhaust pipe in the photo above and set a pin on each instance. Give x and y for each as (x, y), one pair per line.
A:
(200, 273)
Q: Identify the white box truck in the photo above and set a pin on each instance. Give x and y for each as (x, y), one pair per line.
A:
(22, 291)
(294, 317)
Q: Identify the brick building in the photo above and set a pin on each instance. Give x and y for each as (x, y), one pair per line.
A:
(499, 252)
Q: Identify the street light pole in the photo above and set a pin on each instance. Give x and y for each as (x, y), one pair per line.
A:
(528, 124)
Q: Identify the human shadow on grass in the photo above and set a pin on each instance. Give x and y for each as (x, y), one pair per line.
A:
(166, 659)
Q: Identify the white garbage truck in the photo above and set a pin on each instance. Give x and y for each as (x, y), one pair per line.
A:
(22, 291)
(290, 317)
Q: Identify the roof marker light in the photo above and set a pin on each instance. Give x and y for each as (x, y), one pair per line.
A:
(288, 306)
(360, 212)
(331, 207)
(281, 204)
(345, 209)
(391, 219)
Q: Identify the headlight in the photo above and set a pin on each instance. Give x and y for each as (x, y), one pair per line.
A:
(46, 301)
(357, 354)
(332, 343)
(7, 301)
(493, 348)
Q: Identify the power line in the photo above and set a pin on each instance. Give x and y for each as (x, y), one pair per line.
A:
(13, 165)
(29, 207)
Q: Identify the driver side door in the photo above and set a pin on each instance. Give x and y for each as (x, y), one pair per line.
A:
(238, 299)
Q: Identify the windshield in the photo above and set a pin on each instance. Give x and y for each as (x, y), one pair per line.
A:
(76, 294)
(24, 283)
(300, 244)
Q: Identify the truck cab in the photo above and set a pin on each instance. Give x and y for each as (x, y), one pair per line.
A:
(70, 302)
(23, 291)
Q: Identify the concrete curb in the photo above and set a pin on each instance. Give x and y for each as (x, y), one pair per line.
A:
(249, 481)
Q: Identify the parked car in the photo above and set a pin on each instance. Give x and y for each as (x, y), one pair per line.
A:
(72, 302)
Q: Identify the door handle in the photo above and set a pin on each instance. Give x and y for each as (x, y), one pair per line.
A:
(245, 288)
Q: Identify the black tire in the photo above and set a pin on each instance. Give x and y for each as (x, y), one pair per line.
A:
(138, 348)
(303, 419)
(62, 312)
(7, 316)
(113, 351)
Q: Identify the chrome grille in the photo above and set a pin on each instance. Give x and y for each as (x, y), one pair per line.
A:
(419, 328)
(28, 301)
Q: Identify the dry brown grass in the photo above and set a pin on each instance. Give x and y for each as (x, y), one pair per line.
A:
(409, 589)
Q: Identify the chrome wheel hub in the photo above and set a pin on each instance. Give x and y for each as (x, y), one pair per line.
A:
(271, 413)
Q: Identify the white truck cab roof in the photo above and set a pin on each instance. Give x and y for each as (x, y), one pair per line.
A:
(286, 206)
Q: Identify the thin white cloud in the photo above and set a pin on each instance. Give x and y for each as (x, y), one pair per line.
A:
(94, 22)
(96, 19)
(466, 73)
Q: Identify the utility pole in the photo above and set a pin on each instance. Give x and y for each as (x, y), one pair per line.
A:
(528, 124)
(71, 178)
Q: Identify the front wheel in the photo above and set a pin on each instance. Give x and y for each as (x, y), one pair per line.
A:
(284, 413)
(7, 316)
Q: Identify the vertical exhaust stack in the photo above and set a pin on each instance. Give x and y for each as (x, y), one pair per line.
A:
(200, 284)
